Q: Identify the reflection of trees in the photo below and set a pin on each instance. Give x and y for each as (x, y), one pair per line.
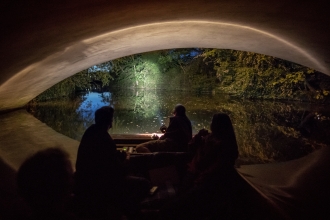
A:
(146, 104)
(269, 131)
(62, 116)
(106, 97)
(117, 124)
(266, 131)
(142, 103)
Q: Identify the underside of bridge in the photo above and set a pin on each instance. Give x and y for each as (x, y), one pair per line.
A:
(44, 42)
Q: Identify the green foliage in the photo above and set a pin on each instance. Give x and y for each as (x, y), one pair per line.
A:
(200, 76)
(60, 115)
(178, 59)
(251, 75)
(138, 71)
(239, 73)
(93, 78)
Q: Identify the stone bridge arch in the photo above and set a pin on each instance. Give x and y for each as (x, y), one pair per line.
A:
(46, 42)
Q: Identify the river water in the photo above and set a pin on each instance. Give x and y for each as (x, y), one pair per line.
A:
(266, 131)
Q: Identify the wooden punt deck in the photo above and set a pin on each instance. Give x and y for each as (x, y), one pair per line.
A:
(130, 140)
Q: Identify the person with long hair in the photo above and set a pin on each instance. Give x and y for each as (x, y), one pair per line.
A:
(211, 185)
(217, 150)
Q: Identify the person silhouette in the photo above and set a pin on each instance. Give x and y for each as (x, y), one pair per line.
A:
(211, 185)
(45, 182)
(218, 149)
(102, 183)
(176, 137)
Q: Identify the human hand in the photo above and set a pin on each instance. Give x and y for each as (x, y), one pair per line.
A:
(154, 136)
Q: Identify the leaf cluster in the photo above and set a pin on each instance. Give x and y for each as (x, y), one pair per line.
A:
(252, 75)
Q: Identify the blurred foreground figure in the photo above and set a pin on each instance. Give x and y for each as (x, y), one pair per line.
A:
(176, 137)
(45, 181)
(103, 188)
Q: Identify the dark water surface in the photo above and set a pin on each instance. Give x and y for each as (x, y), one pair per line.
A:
(267, 131)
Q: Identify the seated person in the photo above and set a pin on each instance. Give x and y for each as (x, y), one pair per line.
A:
(101, 178)
(211, 185)
(45, 181)
(176, 137)
(216, 150)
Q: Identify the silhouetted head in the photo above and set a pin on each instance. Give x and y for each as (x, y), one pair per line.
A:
(179, 110)
(45, 180)
(104, 116)
(221, 123)
(222, 128)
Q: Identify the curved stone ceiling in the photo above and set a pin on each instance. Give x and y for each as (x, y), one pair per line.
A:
(46, 42)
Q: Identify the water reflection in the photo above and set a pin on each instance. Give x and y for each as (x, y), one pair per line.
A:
(266, 131)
